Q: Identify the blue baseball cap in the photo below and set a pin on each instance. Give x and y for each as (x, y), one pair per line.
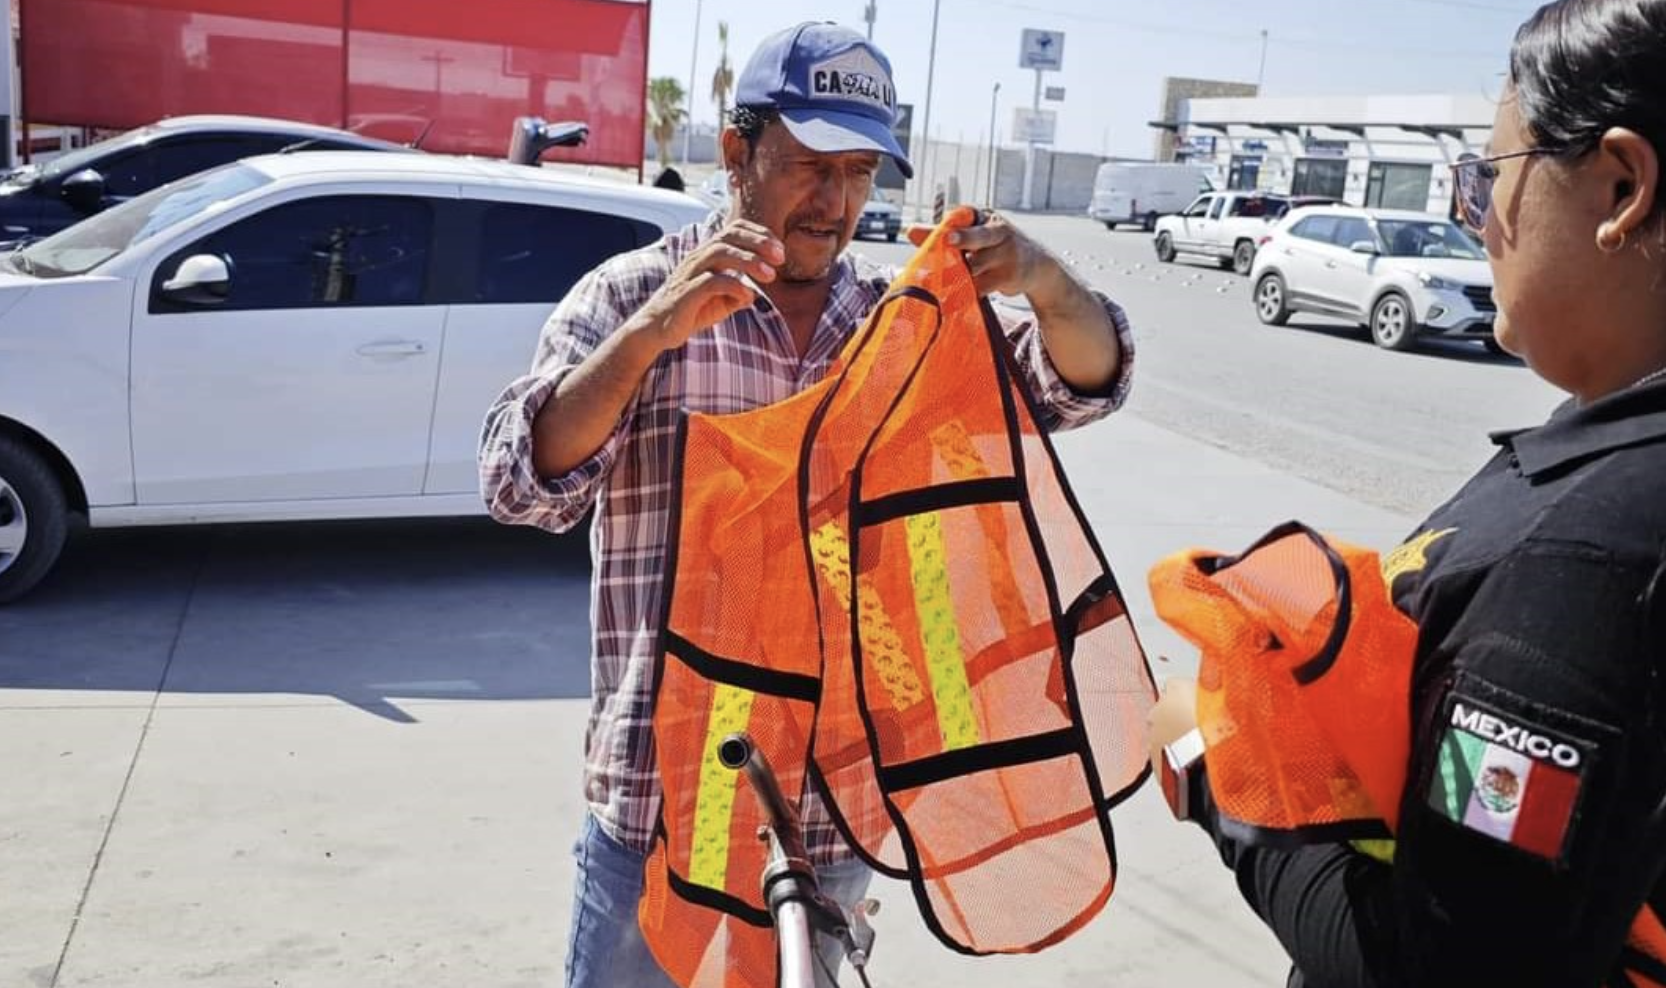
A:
(832, 87)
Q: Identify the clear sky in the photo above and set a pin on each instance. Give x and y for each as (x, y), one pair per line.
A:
(1117, 52)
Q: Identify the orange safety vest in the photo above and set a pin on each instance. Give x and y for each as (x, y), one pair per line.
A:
(886, 581)
(1304, 694)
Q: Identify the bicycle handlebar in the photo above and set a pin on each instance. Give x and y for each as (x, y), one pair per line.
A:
(739, 753)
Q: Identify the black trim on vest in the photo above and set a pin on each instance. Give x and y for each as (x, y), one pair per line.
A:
(979, 758)
(673, 528)
(899, 822)
(771, 682)
(1649, 967)
(812, 429)
(956, 494)
(1007, 373)
(1299, 837)
(723, 902)
(1309, 670)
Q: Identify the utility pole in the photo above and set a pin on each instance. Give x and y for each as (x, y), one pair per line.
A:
(925, 129)
(1029, 146)
(693, 65)
(994, 148)
(1261, 75)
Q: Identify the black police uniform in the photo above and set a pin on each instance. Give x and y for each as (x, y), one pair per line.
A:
(1533, 825)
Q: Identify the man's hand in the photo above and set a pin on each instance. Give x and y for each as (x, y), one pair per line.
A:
(1078, 333)
(1174, 715)
(705, 289)
(708, 286)
(1005, 261)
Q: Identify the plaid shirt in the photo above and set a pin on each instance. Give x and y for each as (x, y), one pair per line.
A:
(745, 361)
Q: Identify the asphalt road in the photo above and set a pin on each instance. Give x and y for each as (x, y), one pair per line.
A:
(1315, 398)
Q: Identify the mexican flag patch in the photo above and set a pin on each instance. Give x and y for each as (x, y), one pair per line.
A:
(1507, 780)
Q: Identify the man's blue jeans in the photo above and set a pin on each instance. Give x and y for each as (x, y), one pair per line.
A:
(606, 948)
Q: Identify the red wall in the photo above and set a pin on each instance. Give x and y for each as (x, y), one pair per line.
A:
(382, 67)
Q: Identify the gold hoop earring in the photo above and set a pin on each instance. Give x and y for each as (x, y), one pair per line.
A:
(1603, 243)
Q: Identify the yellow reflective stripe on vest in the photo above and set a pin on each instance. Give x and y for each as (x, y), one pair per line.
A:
(939, 633)
(881, 645)
(714, 805)
(954, 445)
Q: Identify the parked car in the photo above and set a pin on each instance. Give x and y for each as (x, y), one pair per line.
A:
(714, 191)
(1140, 193)
(1223, 226)
(1405, 275)
(300, 336)
(39, 201)
(880, 218)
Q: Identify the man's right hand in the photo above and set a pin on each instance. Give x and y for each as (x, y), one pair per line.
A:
(708, 286)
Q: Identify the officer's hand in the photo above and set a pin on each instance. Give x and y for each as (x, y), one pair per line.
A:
(708, 286)
(1173, 716)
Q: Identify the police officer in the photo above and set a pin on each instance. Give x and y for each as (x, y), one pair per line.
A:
(1531, 834)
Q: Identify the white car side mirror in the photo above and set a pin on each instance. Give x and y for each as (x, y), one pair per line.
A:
(201, 279)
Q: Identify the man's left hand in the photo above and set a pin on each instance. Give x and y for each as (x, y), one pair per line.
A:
(1005, 261)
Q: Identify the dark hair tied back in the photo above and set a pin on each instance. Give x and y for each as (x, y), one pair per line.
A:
(1580, 67)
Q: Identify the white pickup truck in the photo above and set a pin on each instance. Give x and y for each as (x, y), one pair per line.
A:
(1226, 226)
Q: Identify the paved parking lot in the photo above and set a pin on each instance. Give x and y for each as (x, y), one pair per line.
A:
(347, 754)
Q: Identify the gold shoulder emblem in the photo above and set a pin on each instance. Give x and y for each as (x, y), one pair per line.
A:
(1411, 556)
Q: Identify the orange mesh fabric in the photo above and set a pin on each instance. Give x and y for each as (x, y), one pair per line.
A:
(1304, 696)
(1644, 958)
(886, 580)
(1303, 687)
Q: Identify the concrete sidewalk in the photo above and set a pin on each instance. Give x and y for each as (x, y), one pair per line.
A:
(227, 781)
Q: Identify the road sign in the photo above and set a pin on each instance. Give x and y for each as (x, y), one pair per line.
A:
(1034, 126)
(1055, 93)
(1042, 50)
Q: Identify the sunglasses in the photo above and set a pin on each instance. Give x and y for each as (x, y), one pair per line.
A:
(1472, 180)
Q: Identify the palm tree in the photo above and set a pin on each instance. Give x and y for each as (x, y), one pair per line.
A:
(665, 112)
(723, 80)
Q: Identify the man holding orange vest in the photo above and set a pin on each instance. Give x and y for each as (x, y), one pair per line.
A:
(738, 312)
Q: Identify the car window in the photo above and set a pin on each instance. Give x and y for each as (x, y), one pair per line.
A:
(1351, 230)
(1417, 238)
(87, 244)
(1200, 207)
(323, 252)
(1256, 207)
(1320, 228)
(93, 155)
(177, 159)
(129, 174)
(1217, 209)
(537, 253)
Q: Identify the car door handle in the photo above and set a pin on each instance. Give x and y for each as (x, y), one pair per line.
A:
(393, 348)
(1330, 264)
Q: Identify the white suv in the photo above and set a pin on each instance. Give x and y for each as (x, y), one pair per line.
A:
(1404, 275)
(311, 335)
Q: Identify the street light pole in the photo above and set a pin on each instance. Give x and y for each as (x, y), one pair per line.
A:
(1261, 74)
(1029, 147)
(693, 66)
(994, 148)
(931, 71)
(870, 13)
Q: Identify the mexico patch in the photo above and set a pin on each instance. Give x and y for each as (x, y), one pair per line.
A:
(1508, 780)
